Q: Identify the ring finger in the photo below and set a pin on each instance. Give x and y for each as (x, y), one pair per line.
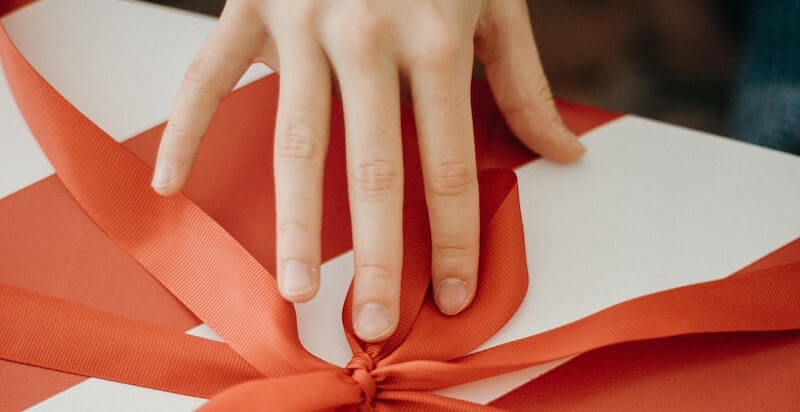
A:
(440, 88)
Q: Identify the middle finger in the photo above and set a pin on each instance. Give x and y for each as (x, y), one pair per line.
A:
(371, 98)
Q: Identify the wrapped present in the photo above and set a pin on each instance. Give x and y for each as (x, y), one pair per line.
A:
(662, 271)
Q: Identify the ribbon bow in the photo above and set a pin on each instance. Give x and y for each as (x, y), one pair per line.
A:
(262, 364)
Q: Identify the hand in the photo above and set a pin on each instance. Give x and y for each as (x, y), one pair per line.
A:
(370, 47)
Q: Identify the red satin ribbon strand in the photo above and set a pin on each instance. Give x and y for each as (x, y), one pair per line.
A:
(424, 401)
(57, 334)
(7, 6)
(502, 281)
(315, 391)
(145, 355)
(754, 300)
(180, 245)
(730, 372)
(205, 267)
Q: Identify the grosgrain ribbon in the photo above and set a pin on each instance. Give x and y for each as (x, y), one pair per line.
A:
(262, 365)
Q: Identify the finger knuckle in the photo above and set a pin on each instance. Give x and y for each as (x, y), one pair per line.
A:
(296, 140)
(443, 48)
(179, 128)
(451, 178)
(198, 80)
(455, 257)
(293, 228)
(362, 38)
(453, 248)
(304, 13)
(374, 271)
(535, 103)
(375, 176)
(367, 26)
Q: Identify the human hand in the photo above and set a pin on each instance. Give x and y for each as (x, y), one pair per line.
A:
(369, 48)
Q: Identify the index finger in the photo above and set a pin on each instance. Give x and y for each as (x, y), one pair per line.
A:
(223, 59)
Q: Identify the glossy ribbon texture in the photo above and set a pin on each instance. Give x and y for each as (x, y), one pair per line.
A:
(262, 365)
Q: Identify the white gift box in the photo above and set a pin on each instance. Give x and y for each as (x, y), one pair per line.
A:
(651, 206)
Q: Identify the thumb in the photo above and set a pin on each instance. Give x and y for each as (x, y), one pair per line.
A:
(505, 44)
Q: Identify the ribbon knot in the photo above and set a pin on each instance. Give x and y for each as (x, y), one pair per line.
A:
(361, 366)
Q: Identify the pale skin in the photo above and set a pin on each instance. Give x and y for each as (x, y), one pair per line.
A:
(373, 52)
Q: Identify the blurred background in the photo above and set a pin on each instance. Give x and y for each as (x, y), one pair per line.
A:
(729, 67)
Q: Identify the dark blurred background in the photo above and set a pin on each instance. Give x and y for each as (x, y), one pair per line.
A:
(729, 67)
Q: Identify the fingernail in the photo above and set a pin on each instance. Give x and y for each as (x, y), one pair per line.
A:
(574, 142)
(579, 147)
(296, 279)
(164, 175)
(373, 321)
(452, 296)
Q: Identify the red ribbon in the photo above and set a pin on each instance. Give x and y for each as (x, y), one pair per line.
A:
(262, 364)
